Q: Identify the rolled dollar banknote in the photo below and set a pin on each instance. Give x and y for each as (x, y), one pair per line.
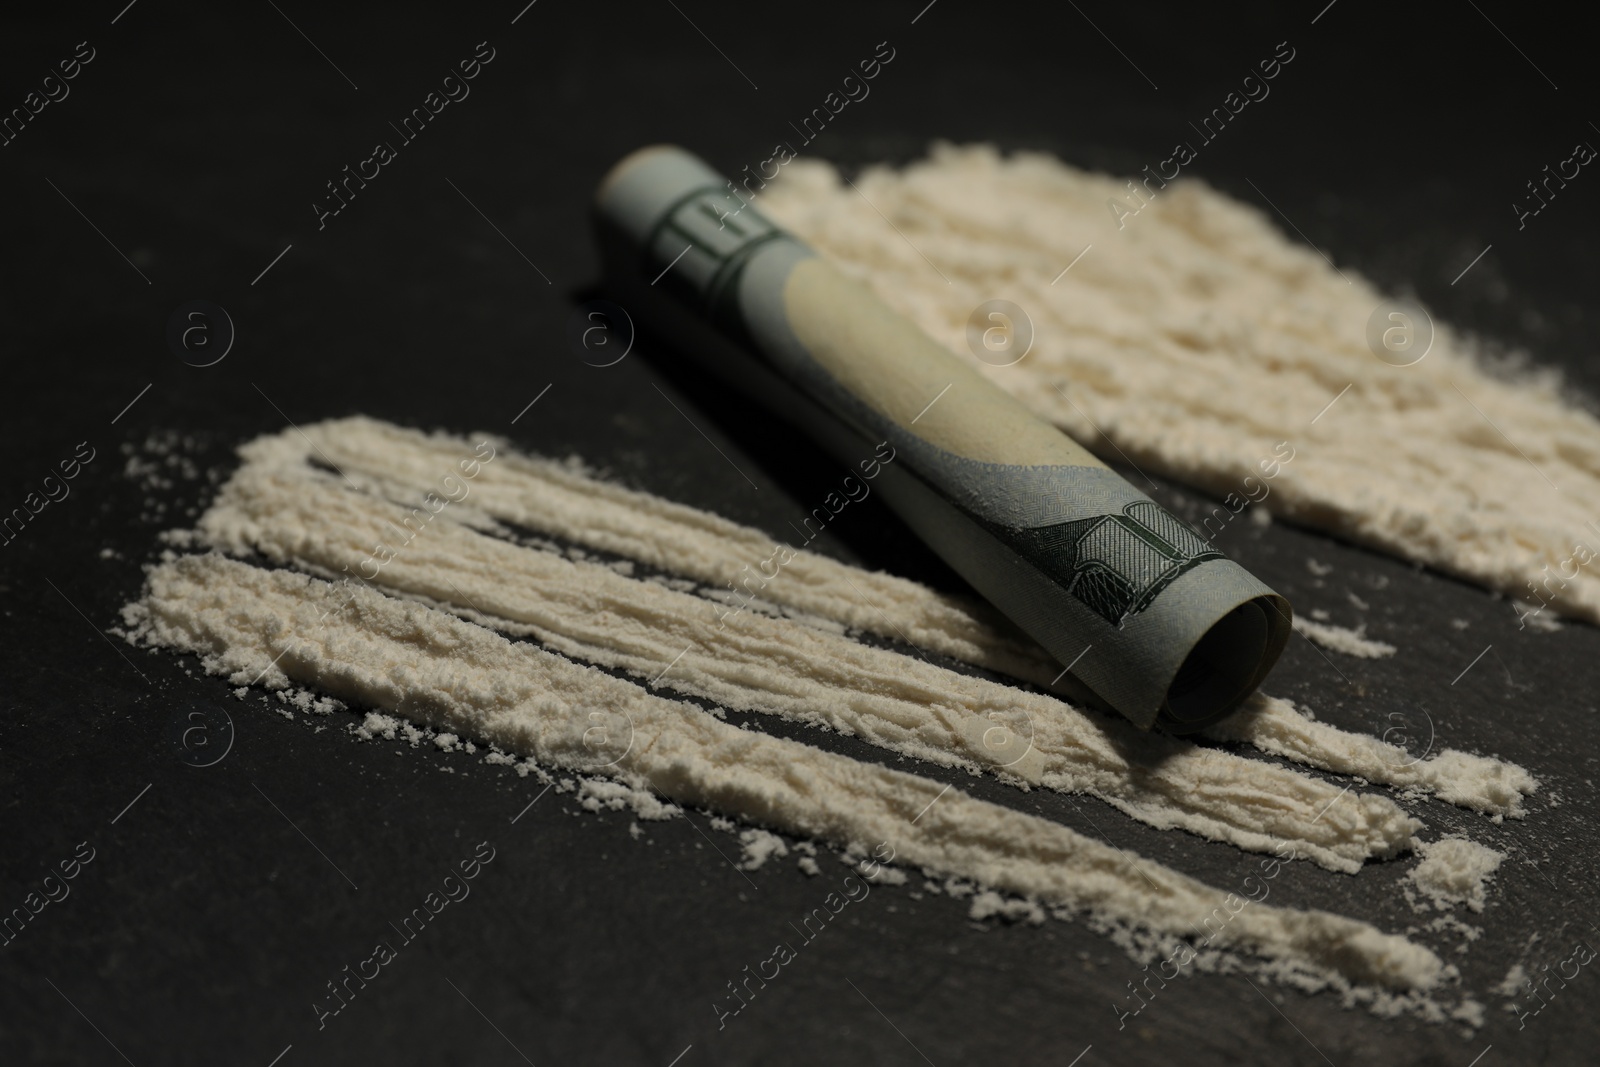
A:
(1147, 618)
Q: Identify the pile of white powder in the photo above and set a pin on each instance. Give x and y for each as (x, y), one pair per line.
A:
(1196, 337)
(1455, 871)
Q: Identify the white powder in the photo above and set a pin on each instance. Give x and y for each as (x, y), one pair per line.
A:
(1198, 336)
(562, 501)
(1451, 924)
(597, 793)
(462, 680)
(1533, 617)
(1511, 984)
(1455, 871)
(377, 724)
(247, 622)
(1477, 782)
(1341, 639)
(1469, 1012)
(989, 903)
(882, 875)
(289, 512)
(759, 846)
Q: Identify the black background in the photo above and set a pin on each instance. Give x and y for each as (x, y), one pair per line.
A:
(196, 142)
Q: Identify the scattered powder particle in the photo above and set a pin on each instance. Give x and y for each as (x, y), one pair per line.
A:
(1198, 336)
(759, 846)
(245, 621)
(1321, 570)
(1320, 614)
(989, 904)
(809, 866)
(1539, 620)
(307, 700)
(1450, 924)
(635, 831)
(881, 874)
(1455, 871)
(446, 742)
(377, 724)
(529, 767)
(1260, 516)
(597, 793)
(180, 538)
(1357, 602)
(1340, 639)
(1460, 624)
(1512, 984)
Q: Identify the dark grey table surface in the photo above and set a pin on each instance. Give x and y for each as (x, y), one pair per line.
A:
(188, 156)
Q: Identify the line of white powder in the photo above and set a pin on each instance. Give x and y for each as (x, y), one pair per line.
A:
(1196, 337)
(1343, 639)
(1494, 787)
(251, 624)
(276, 504)
(564, 501)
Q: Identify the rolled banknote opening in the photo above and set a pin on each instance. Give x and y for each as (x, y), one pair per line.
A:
(1147, 618)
